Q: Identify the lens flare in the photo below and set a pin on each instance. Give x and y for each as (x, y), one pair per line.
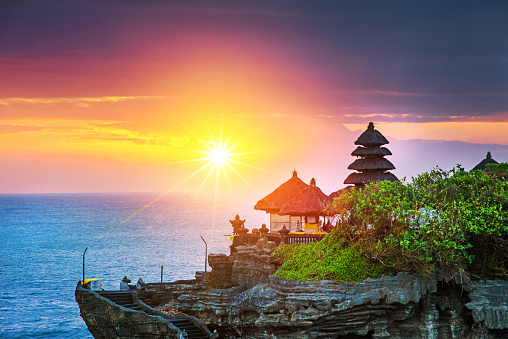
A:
(220, 155)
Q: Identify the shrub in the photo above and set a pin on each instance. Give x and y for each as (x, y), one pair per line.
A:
(329, 259)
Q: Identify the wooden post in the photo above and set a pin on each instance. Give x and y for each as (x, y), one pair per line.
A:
(83, 282)
(206, 254)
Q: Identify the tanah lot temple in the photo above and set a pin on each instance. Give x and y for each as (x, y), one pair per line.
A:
(240, 297)
(298, 206)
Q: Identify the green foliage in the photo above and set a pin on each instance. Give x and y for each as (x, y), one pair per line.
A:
(329, 259)
(498, 170)
(442, 221)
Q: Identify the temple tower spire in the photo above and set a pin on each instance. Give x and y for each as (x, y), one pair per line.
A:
(371, 165)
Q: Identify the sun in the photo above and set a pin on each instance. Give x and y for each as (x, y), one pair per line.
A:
(219, 156)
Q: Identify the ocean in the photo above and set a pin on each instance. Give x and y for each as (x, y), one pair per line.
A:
(43, 237)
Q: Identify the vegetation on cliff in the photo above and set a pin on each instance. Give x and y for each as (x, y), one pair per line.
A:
(448, 223)
(330, 259)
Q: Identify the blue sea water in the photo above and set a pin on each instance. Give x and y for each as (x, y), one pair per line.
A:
(43, 236)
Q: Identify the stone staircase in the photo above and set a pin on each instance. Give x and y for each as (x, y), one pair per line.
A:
(122, 298)
(125, 299)
(193, 332)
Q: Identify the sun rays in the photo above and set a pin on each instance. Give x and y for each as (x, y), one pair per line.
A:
(219, 155)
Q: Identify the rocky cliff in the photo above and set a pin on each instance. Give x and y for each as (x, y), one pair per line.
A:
(119, 314)
(107, 320)
(404, 306)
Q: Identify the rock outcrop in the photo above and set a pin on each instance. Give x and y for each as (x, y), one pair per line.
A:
(122, 315)
(489, 305)
(253, 264)
(107, 320)
(404, 306)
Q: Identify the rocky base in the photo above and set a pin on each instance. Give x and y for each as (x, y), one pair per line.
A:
(107, 320)
(405, 306)
(115, 314)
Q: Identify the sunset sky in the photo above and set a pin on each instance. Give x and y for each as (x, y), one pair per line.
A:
(125, 96)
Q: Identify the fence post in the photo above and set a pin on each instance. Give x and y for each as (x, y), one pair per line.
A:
(206, 254)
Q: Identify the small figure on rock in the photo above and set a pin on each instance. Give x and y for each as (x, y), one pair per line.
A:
(124, 284)
(140, 283)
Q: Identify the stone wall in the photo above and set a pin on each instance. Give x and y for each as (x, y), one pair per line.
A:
(253, 264)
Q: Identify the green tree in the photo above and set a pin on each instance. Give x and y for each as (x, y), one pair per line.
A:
(442, 222)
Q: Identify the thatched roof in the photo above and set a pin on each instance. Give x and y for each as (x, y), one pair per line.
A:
(368, 177)
(370, 164)
(371, 137)
(488, 160)
(312, 201)
(371, 151)
(282, 194)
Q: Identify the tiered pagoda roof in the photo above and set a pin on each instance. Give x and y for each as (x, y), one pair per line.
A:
(372, 166)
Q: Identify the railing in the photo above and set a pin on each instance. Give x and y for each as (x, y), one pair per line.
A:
(252, 239)
(303, 238)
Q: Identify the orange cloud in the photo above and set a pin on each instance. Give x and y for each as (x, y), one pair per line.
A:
(76, 101)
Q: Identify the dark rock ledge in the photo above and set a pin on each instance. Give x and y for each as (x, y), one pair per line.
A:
(404, 306)
(106, 319)
(261, 306)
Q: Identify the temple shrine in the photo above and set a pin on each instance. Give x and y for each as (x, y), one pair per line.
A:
(482, 164)
(299, 207)
(273, 202)
(308, 206)
(371, 165)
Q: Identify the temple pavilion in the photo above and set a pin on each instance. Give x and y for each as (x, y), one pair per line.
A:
(273, 202)
(308, 206)
(371, 165)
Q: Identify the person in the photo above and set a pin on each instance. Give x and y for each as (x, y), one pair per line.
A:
(140, 283)
(124, 284)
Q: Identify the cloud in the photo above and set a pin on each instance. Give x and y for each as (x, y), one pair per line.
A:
(104, 133)
(469, 131)
(81, 102)
(411, 94)
(393, 93)
(391, 106)
(10, 129)
(204, 8)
